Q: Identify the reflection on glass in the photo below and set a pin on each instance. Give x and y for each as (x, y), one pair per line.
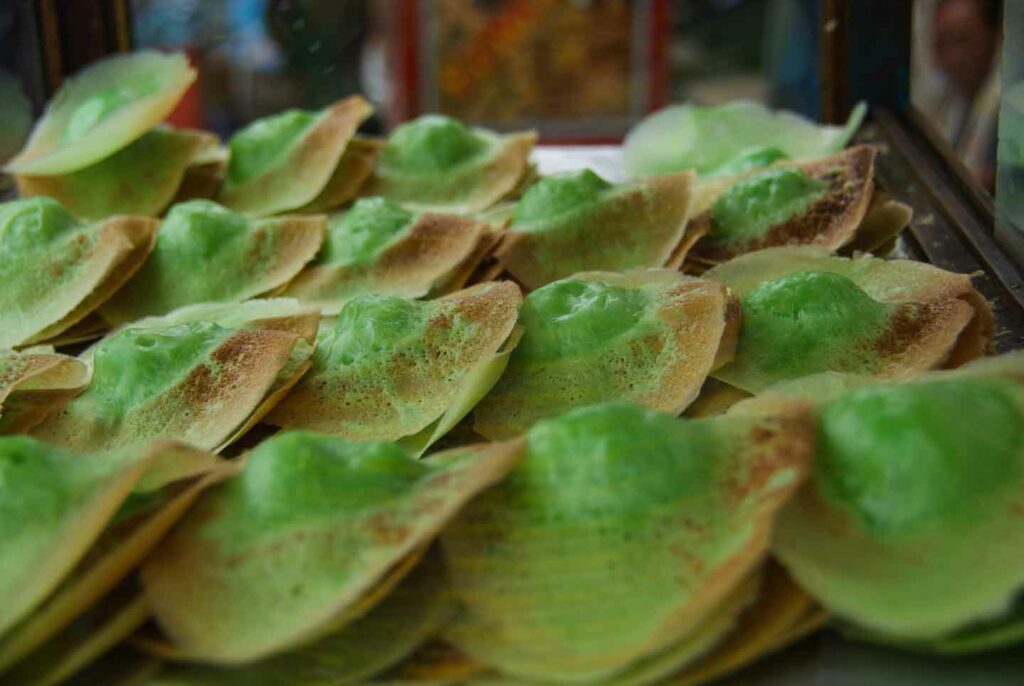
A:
(257, 57)
(956, 77)
(1010, 182)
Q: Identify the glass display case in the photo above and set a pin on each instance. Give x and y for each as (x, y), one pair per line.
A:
(583, 74)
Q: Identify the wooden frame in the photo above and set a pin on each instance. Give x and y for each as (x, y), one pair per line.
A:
(74, 33)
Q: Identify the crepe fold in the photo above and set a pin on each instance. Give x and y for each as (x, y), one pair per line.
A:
(577, 221)
(102, 110)
(544, 564)
(57, 269)
(140, 179)
(824, 202)
(807, 311)
(437, 163)
(226, 257)
(198, 374)
(74, 527)
(294, 549)
(650, 336)
(379, 247)
(909, 531)
(286, 161)
(392, 368)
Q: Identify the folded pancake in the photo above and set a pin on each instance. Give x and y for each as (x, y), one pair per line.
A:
(197, 378)
(438, 163)
(287, 552)
(57, 269)
(391, 368)
(142, 520)
(55, 507)
(284, 161)
(577, 221)
(103, 109)
(806, 311)
(354, 168)
(61, 635)
(226, 257)
(709, 139)
(413, 612)
(821, 202)
(617, 537)
(34, 384)
(910, 529)
(141, 178)
(649, 336)
(379, 247)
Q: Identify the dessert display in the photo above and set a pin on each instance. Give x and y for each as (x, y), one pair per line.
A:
(316, 408)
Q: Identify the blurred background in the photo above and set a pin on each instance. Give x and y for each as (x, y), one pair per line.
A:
(578, 70)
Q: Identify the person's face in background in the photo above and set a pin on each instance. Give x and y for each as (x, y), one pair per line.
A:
(964, 44)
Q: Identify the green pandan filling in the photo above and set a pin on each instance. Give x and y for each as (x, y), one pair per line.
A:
(258, 145)
(136, 365)
(432, 143)
(300, 477)
(900, 458)
(196, 231)
(614, 457)
(754, 157)
(104, 102)
(809, 322)
(358, 236)
(558, 194)
(569, 318)
(372, 326)
(751, 206)
(28, 225)
(300, 474)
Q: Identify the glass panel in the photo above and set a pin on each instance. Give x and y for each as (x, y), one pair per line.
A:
(579, 71)
(257, 57)
(1010, 182)
(21, 86)
(955, 80)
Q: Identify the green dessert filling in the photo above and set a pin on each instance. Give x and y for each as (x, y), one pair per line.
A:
(570, 318)
(303, 476)
(432, 143)
(258, 145)
(751, 206)
(808, 322)
(138, 365)
(754, 157)
(358, 236)
(28, 225)
(559, 194)
(374, 326)
(902, 459)
(194, 232)
(104, 102)
(617, 457)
